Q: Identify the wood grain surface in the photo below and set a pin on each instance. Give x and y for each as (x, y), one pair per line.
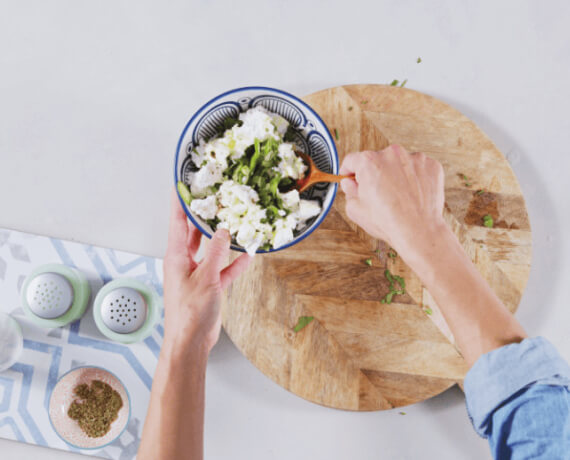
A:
(358, 353)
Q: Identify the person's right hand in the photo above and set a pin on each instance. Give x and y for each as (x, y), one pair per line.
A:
(394, 196)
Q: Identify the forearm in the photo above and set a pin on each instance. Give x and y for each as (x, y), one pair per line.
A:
(175, 419)
(476, 316)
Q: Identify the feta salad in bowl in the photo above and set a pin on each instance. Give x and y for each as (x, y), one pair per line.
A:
(240, 168)
(244, 180)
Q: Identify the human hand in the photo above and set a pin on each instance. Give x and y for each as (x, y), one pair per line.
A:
(395, 196)
(192, 290)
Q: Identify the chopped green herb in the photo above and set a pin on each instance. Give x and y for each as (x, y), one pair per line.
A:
(480, 192)
(336, 134)
(391, 278)
(394, 82)
(303, 322)
(428, 310)
(388, 297)
(368, 262)
(349, 108)
(392, 253)
(488, 221)
(229, 123)
(419, 60)
(403, 83)
(364, 102)
(401, 282)
(466, 179)
(256, 155)
(184, 192)
(290, 134)
(213, 222)
(402, 413)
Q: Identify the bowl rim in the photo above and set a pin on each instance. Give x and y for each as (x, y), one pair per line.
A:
(297, 101)
(112, 440)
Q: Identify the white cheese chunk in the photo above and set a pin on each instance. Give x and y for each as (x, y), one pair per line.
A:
(290, 165)
(205, 208)
(284, 231)
(290, 199)
(308, 209)
(204, 178)
(242, 216)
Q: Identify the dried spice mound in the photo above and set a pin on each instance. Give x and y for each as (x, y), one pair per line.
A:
(96, 408)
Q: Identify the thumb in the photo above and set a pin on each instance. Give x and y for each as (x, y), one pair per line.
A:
(217, 252)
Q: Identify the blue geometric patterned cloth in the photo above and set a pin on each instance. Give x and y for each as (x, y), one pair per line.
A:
(49, 353)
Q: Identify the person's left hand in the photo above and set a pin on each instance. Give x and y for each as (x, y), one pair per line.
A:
(192, 290)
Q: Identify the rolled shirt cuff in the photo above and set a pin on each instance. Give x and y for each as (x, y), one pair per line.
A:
(501, 373)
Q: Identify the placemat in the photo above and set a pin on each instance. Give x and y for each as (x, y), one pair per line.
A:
(49, 353)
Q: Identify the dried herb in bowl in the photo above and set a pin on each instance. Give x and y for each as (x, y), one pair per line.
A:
(96, 407)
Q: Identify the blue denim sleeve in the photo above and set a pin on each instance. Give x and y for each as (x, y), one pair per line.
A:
(518, 397)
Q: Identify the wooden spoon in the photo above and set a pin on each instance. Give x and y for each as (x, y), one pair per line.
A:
(314, 175)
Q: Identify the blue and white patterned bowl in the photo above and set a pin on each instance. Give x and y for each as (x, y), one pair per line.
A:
(314, 139)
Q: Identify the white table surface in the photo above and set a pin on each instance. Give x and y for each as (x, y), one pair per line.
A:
(93, 97)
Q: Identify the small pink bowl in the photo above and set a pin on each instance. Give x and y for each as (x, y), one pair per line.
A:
(62, 396)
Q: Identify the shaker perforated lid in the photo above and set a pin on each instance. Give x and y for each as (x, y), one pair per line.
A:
(49, 295)
(123, 310)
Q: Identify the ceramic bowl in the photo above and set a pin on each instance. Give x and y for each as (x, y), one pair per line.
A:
(314, 138)
(62, 396)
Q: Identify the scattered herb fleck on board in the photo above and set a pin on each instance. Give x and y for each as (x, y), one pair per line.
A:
(368, 262)
(393, 291)
(419, 60)
(336, 134)
(303, 322)
(364, 102)
(349, 108)
(394, 82)
(466, 179)
(428, 310)
(403, 83)
(402, 413)
(96, 407)
(392, 253)
(480, 192)
(488, 221)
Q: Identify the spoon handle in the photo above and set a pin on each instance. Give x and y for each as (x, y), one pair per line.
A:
(319, 176)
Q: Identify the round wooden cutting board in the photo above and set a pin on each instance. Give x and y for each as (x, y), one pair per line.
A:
(358, 353)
